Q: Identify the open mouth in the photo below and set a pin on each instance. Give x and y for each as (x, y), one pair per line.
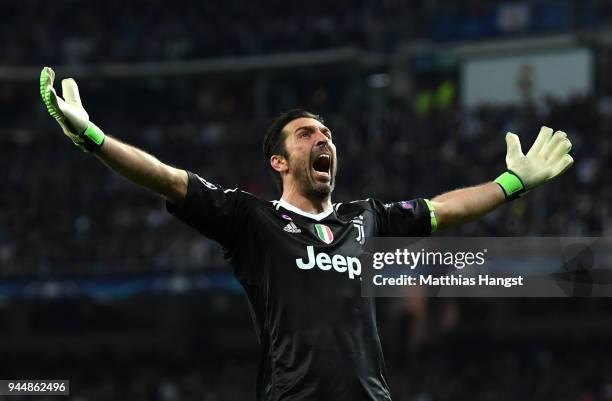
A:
(321, 166)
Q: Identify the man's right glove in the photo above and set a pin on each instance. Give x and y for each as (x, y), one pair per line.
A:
(69, 112)
(547, 158)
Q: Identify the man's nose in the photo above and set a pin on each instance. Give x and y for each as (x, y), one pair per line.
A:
(321, 139)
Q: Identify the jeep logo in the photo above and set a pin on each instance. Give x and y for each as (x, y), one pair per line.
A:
(325, 262)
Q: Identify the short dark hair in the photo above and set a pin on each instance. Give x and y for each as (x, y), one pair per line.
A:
(274, 141)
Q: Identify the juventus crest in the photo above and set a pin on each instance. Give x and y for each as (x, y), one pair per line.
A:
(358, 224)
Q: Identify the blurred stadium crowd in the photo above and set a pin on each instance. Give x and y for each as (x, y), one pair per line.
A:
(477, 373)
(153, 31)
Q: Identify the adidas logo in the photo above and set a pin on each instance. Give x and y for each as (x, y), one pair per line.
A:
(292, 228)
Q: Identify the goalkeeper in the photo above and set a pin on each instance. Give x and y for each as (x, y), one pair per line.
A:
(295, 256)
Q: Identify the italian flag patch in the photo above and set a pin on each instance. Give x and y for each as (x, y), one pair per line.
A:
(325, 233)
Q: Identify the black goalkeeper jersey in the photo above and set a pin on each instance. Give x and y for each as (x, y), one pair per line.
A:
(301, 273)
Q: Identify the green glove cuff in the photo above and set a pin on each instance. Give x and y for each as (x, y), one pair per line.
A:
(511, 184)
(94, 137)
(432, 215)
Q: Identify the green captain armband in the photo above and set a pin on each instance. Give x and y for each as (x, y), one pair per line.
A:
(511, 184)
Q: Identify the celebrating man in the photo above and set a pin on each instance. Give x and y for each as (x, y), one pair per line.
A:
(297, 257)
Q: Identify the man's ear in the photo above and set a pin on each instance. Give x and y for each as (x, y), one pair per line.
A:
(279, 163)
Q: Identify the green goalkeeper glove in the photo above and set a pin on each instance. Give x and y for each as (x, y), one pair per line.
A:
(69, 112)
(547, 158)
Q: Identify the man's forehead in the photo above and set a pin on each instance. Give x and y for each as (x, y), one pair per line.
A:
(294, 125)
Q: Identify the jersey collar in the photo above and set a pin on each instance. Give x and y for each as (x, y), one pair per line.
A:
(317, 217)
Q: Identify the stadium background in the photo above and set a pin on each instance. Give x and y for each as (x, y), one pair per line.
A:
(98, 284)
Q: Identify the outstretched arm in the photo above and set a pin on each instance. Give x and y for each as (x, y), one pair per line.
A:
(143, 169)
(547, 158)
(464, 205)
(133, 164)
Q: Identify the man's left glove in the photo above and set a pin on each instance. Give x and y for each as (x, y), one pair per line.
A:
(547, 158)
(69, 112)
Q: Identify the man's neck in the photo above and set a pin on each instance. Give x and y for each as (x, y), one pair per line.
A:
(306, 204)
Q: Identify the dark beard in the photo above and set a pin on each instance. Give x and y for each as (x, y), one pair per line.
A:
(321, 193)
(311, 188)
